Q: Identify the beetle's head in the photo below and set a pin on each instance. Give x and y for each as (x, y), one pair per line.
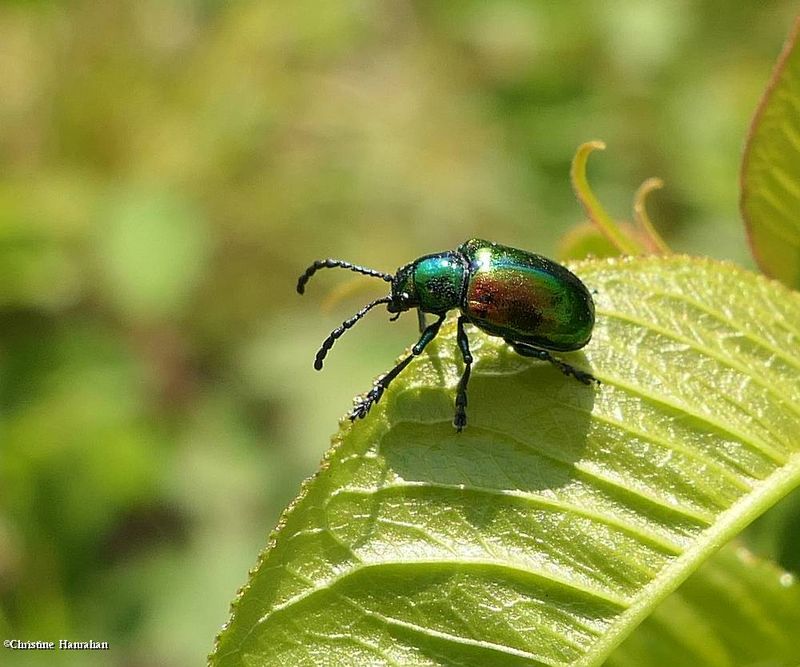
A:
(404, 293)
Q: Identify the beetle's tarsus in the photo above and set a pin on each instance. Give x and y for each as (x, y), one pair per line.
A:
(374, 394)
(581, 376)
(585, 377)
(364, 404)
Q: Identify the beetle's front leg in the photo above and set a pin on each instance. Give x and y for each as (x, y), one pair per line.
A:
(529, 351)
(374, 394)
(460, 418)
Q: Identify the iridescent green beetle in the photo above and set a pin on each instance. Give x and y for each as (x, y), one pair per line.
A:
(531, 302)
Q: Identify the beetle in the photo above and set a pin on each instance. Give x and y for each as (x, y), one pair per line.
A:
(533, 303)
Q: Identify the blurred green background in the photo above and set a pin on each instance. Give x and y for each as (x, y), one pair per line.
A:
(168, 168)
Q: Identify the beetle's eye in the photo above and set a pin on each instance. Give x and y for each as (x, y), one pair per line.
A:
(406, 296)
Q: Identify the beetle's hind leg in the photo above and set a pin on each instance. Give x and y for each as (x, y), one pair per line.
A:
(374, 394)
(460, 418)
(529, 351)
(421, 320)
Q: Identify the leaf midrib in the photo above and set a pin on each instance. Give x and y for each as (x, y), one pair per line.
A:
(728, 524)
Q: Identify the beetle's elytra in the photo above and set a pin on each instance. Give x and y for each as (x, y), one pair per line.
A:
(533, 303)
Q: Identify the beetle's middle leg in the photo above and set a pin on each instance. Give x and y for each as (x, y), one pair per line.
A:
(460, 418)
(374, 394)
(529, 351)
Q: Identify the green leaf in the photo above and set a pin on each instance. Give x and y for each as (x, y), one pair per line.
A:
(585, 241)
(735, 610)
(770, 199)
(564, 514)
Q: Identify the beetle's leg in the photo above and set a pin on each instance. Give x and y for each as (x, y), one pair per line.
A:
(460, 419)
(529, 351)
(374, 394)
(421, 320)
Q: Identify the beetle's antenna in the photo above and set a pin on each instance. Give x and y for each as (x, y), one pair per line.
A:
(340, 330)
(338, 264)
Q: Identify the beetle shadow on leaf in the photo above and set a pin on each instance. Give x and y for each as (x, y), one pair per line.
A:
(525, 432)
